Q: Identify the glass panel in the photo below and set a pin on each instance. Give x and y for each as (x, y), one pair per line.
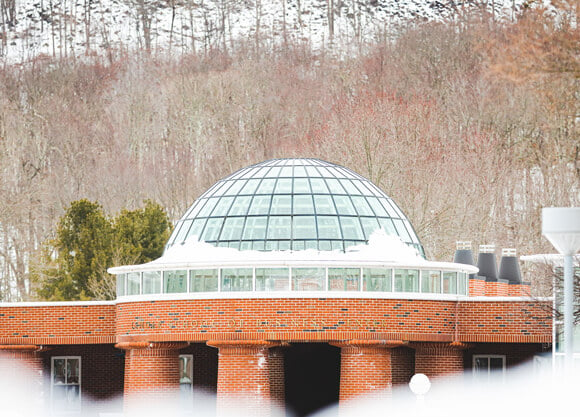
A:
(286, 172)
(208, 207)
(324, 244)
(387, 226)
(303, 204)
(403, 233)
(232, 229)
(175, 281)
(388, 207)
(350, 189)
(266, 186)
(183, 231)
(151, 282)
(120, 285)
(362, 207)
(223, 206)
(450, 282)
(196, 228)
(299, 171)
(377, 207)
(250, 187)
(304, 227)
(185, 369)
(406, 280)
(362, 188)
(237, 279)
(481, 364)
(240, 206)
(73, 371)
(344, 279)
(283, 186)
(312, 172)
(431, 281)
(334, 186)
(324, 204)
(344, 205)
(279, 228)
(496, 364)
(377, 279)
(318, 186)
(203, 280)
(236, 187)
(284, 245)
(298, 244)
(301, 185)
(59, 371)
(461, 284)
(260, 205)
(351, 228)
(212, 229)
(255, 228)
(308, 279)
(133, 283)
(281, 204)
(328, 228)
(272, 279)
(369, 224)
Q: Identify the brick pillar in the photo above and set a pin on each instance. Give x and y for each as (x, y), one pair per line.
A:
(151, 374)
(365, 369)
(244, 376)
(22, 367)
(277, 387)
(439, 359)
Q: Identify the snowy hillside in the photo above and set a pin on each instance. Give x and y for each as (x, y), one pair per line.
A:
(74, 27)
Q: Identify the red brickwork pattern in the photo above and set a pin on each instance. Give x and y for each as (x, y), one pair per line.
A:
(476, 287)
(72, 324)
(243, 378)
(497, 289)
(333, 319)
(364, 370)
(402, 365)
(276, 365)
(438, 359)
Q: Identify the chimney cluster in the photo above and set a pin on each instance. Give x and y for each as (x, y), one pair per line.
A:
(509, 268)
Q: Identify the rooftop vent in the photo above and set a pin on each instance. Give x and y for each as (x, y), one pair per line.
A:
(463, 254)
(486, 262)
(509, 267)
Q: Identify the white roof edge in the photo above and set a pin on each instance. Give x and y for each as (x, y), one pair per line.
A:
(554, 259)
(56, 303)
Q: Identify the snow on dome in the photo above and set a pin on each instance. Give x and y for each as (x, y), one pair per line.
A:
(293, 204)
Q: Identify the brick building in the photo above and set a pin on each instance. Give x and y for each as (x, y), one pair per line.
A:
(293, 282)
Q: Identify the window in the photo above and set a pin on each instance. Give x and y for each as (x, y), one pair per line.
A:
(133, 283)
(65, 383)
(174, 281)
(237, 279)
(203, 280)
(308, 279)
(186, 380)
(406, 280)
(431, 281)
(120, 285)
(450, 282)
(344, 279)
(486, 366)
(377, 279)
(151, 282)
(272, 279)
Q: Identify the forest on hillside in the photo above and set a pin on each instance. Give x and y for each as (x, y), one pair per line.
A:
(471, 127)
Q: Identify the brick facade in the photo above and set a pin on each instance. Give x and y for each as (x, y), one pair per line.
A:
(240, 346)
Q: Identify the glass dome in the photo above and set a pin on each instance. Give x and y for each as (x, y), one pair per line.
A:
(293, 204)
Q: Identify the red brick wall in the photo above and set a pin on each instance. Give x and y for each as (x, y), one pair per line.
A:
(58, 324)
(402, 365)
(324, 319)
(438, 359)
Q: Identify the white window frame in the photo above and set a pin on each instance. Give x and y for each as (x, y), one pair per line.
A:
(480, 375)
(52, 385)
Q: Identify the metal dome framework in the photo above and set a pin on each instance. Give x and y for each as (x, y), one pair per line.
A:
(293, 204)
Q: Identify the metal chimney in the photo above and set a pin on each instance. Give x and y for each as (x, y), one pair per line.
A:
(463, 253)
(486, 262)
(509, 266)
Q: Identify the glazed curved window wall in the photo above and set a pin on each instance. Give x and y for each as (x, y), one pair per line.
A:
(294, 204)
(300, 278)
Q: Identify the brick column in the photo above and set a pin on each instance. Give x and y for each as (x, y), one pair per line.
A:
(151, 374)
(277, 387)
(439, 359)
(365, 369)
(18, 360)
(244, 376)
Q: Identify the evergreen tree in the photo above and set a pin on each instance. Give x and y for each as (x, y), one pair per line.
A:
(73, 265)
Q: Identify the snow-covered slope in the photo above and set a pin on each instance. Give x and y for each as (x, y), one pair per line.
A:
(74, 27)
